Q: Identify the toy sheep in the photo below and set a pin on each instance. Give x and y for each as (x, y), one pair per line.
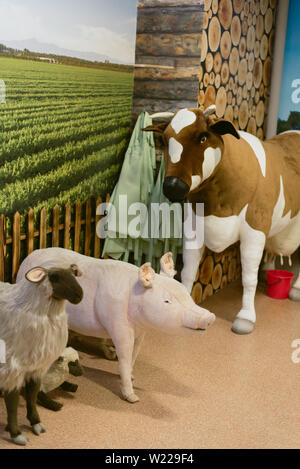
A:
(33, 325)
(57, 375)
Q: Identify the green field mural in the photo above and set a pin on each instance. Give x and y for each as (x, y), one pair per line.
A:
(63, 132)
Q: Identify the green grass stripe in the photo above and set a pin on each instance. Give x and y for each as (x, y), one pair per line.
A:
(60, 124)
(24, 145)
(41, 187)
(29, 165)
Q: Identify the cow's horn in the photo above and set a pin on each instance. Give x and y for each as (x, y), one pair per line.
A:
(163, 115)
(210, 110)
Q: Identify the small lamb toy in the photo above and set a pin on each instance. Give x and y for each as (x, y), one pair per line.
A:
(56, 377)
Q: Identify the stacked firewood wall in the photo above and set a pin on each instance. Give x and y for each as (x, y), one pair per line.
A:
(236, 60)
(235, 73)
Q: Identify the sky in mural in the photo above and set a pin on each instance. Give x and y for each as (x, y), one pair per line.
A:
(103, 27)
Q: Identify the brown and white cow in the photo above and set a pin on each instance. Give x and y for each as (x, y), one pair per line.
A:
(250, 190)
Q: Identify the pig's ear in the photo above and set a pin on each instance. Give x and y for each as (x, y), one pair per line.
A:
(167, 265)
(146, 275)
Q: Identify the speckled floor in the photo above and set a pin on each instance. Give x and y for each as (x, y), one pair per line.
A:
(216, 391)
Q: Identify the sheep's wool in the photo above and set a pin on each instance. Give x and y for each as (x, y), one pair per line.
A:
(34, 328)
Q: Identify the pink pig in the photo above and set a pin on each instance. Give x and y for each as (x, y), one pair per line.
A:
(122, 301)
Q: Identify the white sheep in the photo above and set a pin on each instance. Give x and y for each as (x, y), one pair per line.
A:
(57, 375)
(33, 325)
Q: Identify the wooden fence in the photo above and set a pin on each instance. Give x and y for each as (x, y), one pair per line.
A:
(72, 227)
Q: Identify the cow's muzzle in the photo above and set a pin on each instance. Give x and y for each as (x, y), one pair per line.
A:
(175, 189)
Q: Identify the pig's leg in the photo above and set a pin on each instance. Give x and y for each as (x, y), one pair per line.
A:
(252, 248)
(123, 338)
(136, 348)
(191, 261)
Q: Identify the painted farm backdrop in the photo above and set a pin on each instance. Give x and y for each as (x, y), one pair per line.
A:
(65, 123)
(64, 130)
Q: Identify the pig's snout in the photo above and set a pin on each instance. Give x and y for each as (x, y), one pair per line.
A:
(207, 320)
(200, 320)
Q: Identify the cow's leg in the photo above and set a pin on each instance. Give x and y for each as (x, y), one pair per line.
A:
(191, 261)
(268, 264)
(12, 402)
(32, 389)
(295, 290)
(252, 248)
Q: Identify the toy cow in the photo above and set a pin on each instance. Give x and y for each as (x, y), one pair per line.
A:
(122, 301)
(250, 190)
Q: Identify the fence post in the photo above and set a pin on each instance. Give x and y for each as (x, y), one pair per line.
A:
(43, 228)
(2, 247)
(55, 227)
(30, 232)
(88, 228)
(16, 245)
(97, 242)
(77, 229)
(67, 226)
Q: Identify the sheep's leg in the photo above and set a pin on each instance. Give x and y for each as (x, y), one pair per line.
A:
(12, 402)
(123, 339)
(109, 349)
(32, 389)
(48, 403)
(252, 247)
(69, 387)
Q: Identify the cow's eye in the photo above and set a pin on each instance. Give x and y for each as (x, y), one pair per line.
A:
(203, 139)
(167, 301)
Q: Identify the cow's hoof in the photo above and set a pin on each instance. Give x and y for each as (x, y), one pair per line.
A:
(38, 428)
(242, 326)
(132, 398)
(294, 294)
(20, 440)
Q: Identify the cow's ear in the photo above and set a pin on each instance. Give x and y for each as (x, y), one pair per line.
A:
(223, 127)
(157, 128)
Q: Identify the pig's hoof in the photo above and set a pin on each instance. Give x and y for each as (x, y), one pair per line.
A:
(20, 440)
(38, 428)
(132, 398)
(294, 294)
(242, 326)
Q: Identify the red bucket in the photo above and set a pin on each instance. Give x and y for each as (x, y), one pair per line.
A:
(279, 283)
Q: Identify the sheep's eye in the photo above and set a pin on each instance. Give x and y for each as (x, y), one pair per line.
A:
(167, 301)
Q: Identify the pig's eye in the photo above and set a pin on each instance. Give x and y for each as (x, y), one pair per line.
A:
(167, 301)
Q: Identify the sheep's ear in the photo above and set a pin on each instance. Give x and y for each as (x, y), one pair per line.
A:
(76, 270)
(167, 265)
(146, 275)
(36, 275)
